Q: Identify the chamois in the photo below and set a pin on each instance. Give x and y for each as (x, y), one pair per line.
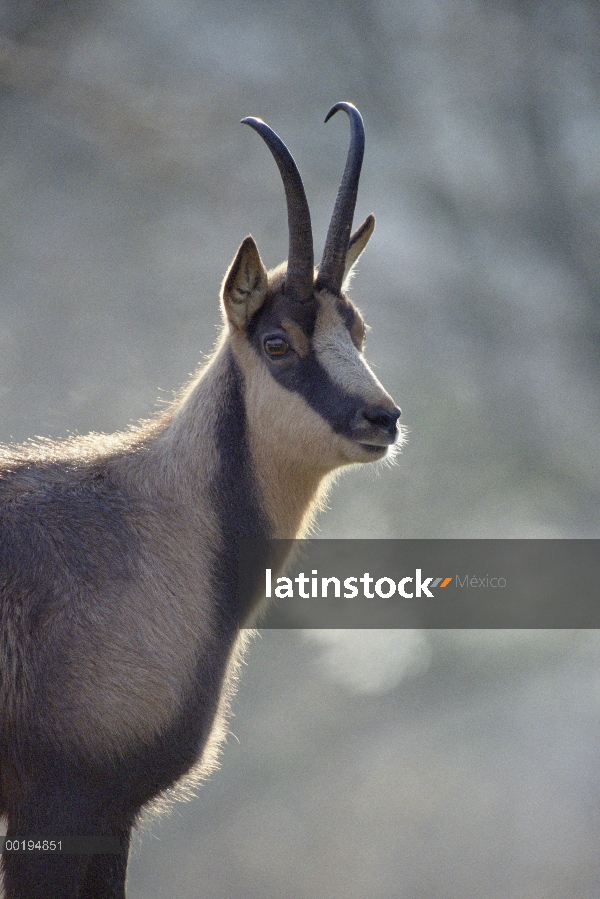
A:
(119, 626)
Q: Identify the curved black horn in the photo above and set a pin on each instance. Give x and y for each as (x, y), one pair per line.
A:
(331, 270)
(300, 267)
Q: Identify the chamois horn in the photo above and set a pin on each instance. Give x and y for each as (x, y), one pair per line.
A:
(331, 270)
(300, 267)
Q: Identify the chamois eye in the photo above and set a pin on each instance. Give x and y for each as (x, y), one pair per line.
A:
(276, 347)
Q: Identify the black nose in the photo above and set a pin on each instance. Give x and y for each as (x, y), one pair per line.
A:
(382, 418)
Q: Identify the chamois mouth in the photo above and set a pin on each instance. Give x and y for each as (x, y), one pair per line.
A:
(374, 449)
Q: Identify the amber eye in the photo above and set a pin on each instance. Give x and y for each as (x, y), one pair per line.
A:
(276, 347)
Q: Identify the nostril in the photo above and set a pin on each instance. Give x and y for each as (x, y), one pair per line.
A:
(382, 418)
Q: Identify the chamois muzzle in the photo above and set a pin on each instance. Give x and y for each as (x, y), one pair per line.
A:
(376, 426)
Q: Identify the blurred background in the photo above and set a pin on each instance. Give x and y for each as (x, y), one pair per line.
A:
(364, 764)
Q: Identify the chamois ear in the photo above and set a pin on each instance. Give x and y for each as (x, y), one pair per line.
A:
(358, 242)
(245, 285)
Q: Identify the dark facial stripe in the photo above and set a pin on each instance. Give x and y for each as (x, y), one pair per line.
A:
(307, 376)
(346, 312)
(353, 321)
(310, 380)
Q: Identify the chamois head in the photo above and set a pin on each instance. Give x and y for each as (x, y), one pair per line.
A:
(299, 339)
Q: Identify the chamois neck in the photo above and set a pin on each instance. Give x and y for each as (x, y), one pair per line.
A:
(291, 475)
(211, 445)
(202, 454)
(292, 495)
